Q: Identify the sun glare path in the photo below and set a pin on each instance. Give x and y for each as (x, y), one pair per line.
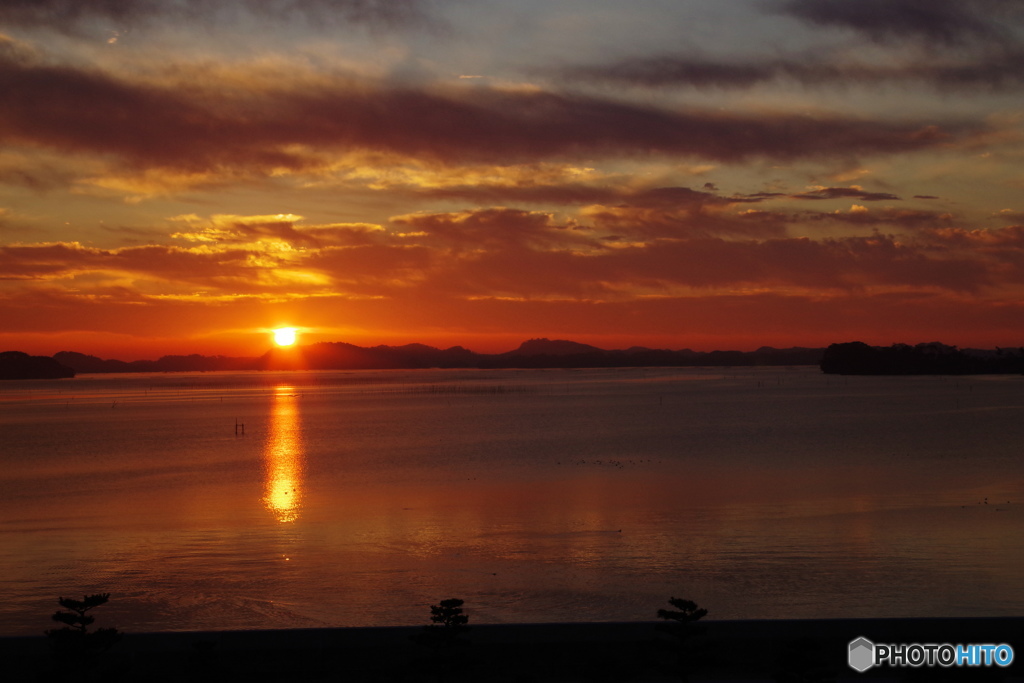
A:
(284, 336)
(283, 458)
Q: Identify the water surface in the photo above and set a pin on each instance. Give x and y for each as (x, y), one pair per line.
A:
(360, 498)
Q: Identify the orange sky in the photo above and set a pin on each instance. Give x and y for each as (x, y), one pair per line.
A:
(674, 175)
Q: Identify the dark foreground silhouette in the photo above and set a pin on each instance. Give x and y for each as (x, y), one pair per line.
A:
(74, 645)
(769, 650)
(677, 649)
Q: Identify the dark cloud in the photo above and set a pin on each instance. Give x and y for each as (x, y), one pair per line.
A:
(36, 261)
(375, 269)
(760, 196)
(985, 34)
(580, 194)
(496, 228)
(1003, 248)
(949, 22)
(29, 262)
(672, 212)
(523, 126)
(713, 263)
(676, 70)
(847, 263)
(72, 16)
(525, 275)
(996, 70)
(1011, 216)
(199, 126)
(906, 218)
(484, 193)
(75, 110)
(675, 197)
(645, 223)
(41, 178)
(527, 254)
(846, 193)
(1003, 239)
(679, 212)
(650, 212)
(180, 265)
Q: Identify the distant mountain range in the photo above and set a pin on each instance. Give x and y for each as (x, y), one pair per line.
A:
(847, 358)
(534, 353)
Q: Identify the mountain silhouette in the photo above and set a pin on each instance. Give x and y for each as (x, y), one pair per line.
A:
(344, 356)
(20, 365)
(81, 362)
(533, 353)
(556, 347)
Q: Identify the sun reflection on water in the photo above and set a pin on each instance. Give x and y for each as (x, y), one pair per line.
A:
(283, 458)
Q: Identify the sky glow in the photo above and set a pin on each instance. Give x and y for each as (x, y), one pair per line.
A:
(176, 177)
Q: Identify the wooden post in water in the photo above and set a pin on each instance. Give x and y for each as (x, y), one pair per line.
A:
(239, 427)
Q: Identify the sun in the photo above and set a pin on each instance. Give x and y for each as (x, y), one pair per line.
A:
(284, 336)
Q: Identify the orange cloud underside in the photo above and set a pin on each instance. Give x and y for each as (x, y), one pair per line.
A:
(679, 277)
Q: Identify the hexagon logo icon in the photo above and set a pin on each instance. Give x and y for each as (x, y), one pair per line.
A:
(862, 654)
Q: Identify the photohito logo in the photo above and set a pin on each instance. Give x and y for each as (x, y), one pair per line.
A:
(863, 654)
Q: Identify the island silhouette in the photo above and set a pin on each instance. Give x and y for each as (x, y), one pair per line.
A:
(932, 358)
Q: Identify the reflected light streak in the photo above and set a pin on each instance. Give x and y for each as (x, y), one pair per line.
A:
(283, 458)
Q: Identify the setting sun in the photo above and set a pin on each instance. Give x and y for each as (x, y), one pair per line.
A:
(284, 336)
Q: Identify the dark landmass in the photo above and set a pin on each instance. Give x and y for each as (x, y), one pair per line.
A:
(764, 650)
(933, 358)
(81, 362)
(553, 347)
(18, 365)
(851, 358)
(534, 353)
(342, 356)
(544, 353)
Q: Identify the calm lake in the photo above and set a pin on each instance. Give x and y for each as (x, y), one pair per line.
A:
(360, 498)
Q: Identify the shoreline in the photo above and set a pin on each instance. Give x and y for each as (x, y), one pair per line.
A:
(539, 652)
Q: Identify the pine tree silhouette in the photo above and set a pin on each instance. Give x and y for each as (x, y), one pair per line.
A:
(75, 640)
(681, 624)
(449, 623)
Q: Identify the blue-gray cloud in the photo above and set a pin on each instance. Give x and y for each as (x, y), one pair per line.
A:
(949, 22)
(207, 127)
(997, 70)
(72, 16)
